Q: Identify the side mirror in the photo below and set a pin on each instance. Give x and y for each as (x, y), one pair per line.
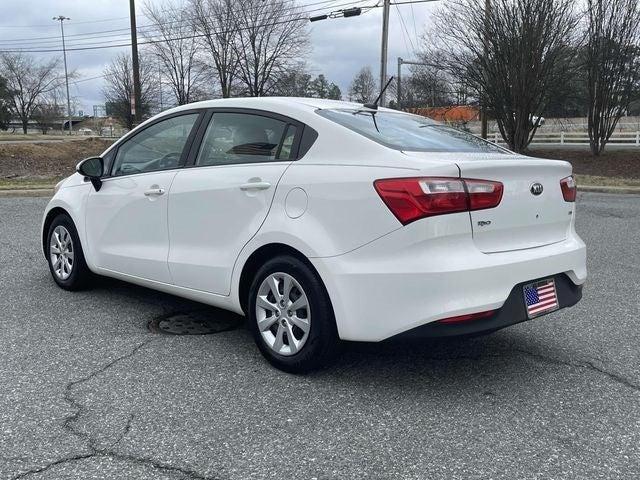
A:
(92, 168)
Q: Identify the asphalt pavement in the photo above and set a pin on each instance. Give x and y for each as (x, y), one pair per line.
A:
(88, 391)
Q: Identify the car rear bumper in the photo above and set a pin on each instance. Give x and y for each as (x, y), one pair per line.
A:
(410, 279)
(512, 312)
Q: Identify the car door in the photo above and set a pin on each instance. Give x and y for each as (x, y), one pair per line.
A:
(126, 220)
(217, 204)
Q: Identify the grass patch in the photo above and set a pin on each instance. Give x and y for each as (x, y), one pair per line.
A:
(47, 160)
(606, 181)
(615, 165)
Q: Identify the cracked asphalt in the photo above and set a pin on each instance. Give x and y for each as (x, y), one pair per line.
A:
(87, 391)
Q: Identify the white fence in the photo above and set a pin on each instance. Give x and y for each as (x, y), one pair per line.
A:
(631, 139)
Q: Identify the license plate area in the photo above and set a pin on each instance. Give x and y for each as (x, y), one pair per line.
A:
(540, 297)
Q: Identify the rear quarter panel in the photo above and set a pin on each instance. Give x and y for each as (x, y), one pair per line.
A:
(325, 204)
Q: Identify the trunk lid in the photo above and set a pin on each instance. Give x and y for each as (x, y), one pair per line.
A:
(521, 220)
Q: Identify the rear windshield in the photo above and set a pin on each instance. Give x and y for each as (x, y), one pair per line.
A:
(403, 131)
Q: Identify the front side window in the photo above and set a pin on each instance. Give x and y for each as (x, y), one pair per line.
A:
(233, 138)
(158, 147)
(403, 131)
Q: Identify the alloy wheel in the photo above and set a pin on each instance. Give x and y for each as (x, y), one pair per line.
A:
(61, 252)
(283, 313)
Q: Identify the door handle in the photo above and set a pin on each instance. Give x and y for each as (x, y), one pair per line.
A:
(154, 192)
(255, 186)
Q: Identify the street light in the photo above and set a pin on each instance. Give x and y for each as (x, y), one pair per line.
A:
(61, 19)
(401, 62)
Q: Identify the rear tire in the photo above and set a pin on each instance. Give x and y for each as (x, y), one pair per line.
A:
(65, 256)
(290, 316)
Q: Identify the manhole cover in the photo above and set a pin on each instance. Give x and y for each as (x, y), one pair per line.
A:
(195, 323)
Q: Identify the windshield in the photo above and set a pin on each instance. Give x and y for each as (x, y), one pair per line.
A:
(403, 131)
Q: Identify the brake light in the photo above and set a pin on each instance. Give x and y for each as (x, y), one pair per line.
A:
(569, 188)
(410, 199)
(467, 318)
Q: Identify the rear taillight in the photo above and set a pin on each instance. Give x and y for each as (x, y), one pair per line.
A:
(569, 188)
(410, 199)
(483, 194)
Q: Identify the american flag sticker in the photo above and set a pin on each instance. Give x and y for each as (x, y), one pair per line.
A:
(540, 297)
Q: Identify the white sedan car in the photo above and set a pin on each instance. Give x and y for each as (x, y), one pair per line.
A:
(322, 220)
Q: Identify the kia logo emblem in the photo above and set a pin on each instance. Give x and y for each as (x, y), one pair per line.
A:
(536, 188)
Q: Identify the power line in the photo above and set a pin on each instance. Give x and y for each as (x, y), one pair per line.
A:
(152, 26)
(156, 30)
(104, 20)
(82, 80)
(405, 30)
(110, 37)
(413, 17)
(111, 44)
(404, 37)
(104, 76)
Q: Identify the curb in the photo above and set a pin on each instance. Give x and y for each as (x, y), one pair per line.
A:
(31, 192)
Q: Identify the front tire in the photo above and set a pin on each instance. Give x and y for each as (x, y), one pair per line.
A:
(290, 316)
(65, 256)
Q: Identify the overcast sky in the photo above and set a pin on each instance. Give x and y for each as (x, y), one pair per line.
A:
(340, 47)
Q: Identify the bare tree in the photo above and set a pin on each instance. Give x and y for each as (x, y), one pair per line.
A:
(28, 81)
(5, 101)
(215, 21)
(49, 109)
(612, 63)
(174, 47)
(272, 39)
(118, 88)
(428, 86)
(511, 56)
(363, 87)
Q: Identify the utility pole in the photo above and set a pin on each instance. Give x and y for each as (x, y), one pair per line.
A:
(383, 53)
(61, 19)
(136, 104)
(401, 62)
(399, 83)
(160, 86)
(484, 128)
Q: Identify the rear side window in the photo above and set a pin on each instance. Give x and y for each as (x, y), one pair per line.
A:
(286, 150)
(233, 138)
(403, 131)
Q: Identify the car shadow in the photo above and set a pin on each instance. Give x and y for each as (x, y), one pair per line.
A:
(170, 304)
(509, 351)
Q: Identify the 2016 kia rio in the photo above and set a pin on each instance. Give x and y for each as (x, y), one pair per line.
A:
(322, 220)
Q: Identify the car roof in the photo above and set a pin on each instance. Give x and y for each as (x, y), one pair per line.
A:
(275, 104)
